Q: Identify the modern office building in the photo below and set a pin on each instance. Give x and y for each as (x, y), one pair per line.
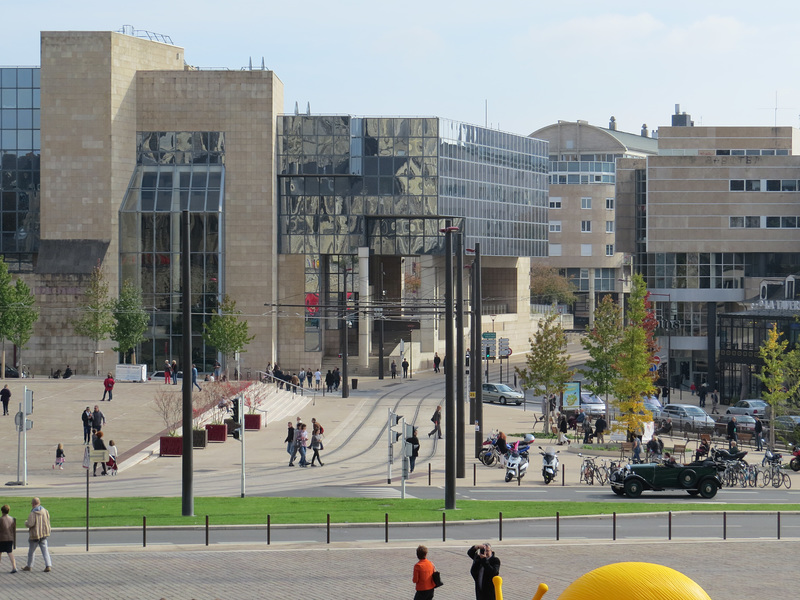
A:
(712, 223)
(582, 214)
(113, 136)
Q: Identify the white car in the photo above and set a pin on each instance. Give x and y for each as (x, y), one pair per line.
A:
(748, 407)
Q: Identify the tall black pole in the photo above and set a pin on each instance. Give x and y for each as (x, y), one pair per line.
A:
(345, 389)
(476, 368)
(449, 396)
(380, 316)
(186, 304)
(472, 343)
(459, 372)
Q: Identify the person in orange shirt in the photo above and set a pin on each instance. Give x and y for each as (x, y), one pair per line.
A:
(423, 575)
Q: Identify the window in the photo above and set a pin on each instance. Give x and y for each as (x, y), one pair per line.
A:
(737, 185)
(555, 226)
(586, 227)
(586, 249)
(609, 204)
(773, 222)
(586, 203)
(789, 185)
(752, 222)
(555, 202)
(609, 226)
(752, 185)
(736, 222)
(609, 249)
(773, 185)
(555, 249)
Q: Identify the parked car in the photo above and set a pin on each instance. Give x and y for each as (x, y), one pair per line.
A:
(744, 424)
(592, 404)
(11, 372)
(687, 418)
(787, 422)
(696, 478)
(500, 392)
(159, 376)
(748, 407)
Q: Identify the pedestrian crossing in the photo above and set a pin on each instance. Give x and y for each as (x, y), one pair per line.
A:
(387, 493)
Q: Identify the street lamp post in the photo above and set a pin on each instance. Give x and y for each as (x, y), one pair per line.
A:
(475, 368)
(380, 328)
(345, 386)
(449, 398)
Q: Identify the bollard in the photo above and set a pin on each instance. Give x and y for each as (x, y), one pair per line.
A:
(558, 526)
(386, 526)
(444, 527)
(206, 530)
(474, 475)
(779, 524)
(669, 528)
(429, 474)
(329, 528)
(562, 475)
(144, 531)
(614, 526)
(500, 521)
(724, 525)
(269, 532)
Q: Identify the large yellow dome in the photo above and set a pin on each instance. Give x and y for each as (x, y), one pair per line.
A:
(634, 581)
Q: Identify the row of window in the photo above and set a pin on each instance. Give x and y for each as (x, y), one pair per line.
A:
(696, 152)
(586, 250)
(762, 222)
(760, 185)
(586, 203)
(585, 157)
(586, 226)
(573, 179)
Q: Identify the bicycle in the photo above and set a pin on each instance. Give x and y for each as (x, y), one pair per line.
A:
(590, 471)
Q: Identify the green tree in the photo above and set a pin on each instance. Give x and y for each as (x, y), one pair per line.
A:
(130, 320)
(777, 376)
(225, 331)
(548, 286)
(546, 365)
(6, 301)
(633, 362)
(601, 343)
(95, 319)
(22, 315)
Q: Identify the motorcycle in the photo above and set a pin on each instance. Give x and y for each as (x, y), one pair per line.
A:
(795, 462)
(517, 462)
(489, 454)
(549, 463)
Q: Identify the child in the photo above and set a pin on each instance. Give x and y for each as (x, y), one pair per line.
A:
(112, 457)
(60, 457)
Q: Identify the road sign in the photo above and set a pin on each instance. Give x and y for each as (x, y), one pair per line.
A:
(502, 348)
(489, 335)
(98, 455)
(18, 419)
(656, 360)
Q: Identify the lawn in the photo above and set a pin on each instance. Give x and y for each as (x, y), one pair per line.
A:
(117, 512)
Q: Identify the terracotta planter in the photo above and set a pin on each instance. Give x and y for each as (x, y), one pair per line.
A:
(199, 438)
(171, 446)
(252, 422)
(217, 432)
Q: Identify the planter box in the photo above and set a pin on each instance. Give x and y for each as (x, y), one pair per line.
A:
(171, 446)
(199, 438)
(217, 433)
(252, 422)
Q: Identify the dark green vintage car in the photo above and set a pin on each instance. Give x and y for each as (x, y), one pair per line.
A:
(696, 478)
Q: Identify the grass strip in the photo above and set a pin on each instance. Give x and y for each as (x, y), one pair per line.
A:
(119, 512)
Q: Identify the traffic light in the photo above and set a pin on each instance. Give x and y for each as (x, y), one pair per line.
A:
(488, 351)
(394, 420)
(237, 411)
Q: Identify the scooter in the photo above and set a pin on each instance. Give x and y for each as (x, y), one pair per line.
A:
(795, 462)
(517, 462)
(549, 463)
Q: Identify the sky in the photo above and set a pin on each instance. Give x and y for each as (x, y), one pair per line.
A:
(514, 65)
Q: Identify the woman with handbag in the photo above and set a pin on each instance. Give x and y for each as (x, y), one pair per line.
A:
(316, 445)
(423, 575)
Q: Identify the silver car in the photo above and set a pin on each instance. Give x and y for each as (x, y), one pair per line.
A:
(687, 418)
(500, 392)
(748, 407)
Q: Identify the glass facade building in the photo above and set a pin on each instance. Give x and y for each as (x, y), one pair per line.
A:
(175, 171)
(20, 152)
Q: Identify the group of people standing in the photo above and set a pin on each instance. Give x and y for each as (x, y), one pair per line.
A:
(38, 524)
(93, 421)
(297, 442)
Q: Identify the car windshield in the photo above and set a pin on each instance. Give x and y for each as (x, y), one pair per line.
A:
(502, 387)
(695, 411)
(591, 400)
(752, 403)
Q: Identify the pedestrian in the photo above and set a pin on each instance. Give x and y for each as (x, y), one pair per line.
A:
(485, 567)
(436, 419)
(309, 378)
(436, 362)
(174, 372)
(67, 373)
(580, 418)
(194, 379)
(60, 457)
(702, 394)
(404, 364)
(289, 441)
(693, 388)
(337, 379)
(302, 443)
(318, 378)
(86, 417)
(759, 429)
(99, 444)
(562, 430)
(714, 402)
(316, 445)
(414, 441)
(392, 369)
(167, 372)
(733, 435)
(295, 380)
(587, 430)
(301, 377)
(315, 423)
(98, 418)
(8, 534)
(108, 384)
(637, 449)
(112, 457)
(38, 524)
(5, 396)
(217, 370)
(423, 575)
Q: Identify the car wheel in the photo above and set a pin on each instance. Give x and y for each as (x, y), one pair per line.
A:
(688, 478)
(519, 402)
(708, 488)
(633, 488)
(618, 491)
(687, 428)
(502, 400)
(727, 412)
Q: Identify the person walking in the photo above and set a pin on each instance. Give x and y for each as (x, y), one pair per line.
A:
(309, 378)
(436, 362)
(5, 396)
(423, 575)
(167, 372)
(759, 431)
(38, 524)
(393, 370)
(8, 534)
(194, 379)
(60, 457)
(404, 364)
(217, 370)
(112, 457)
(587, 430)
(316, 445)
(485, 567)
(317, 379)
(99, 444)
(600, 427)
(733, 435)
(98, 418)
(562, 430)
(414, 441)
(108, 384)
(86, 417)
(714, 402)
(301, 378)
(174, 372)
(302, 444)
(289, 441)
(337, 379)
(436, 419)
(329, 381)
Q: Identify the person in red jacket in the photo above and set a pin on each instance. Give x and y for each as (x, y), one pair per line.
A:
(423, 575)
(108, 383)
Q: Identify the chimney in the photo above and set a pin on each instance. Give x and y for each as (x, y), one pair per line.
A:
(612, 124)
(645, 132)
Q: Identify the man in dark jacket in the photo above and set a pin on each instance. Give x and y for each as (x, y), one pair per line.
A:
(732, 435)
(86, 417)
(485, 566)
(759, 431)
(98, 419)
